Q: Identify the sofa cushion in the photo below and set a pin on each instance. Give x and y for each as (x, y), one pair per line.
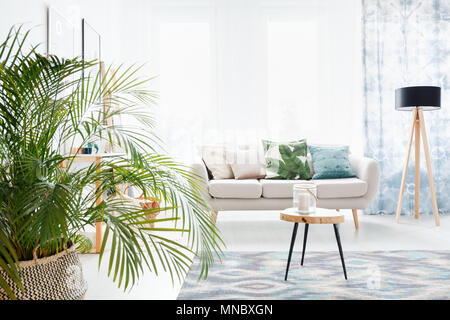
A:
(238, 189)
(341, 188)
(326, 188)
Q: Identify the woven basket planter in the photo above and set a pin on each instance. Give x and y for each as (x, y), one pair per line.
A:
(58, 277)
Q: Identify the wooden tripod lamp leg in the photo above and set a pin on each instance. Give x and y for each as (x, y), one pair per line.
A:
(428, 160)
(417, 167)
(405, 168)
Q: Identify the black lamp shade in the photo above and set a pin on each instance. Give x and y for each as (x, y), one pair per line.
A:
(428, 98)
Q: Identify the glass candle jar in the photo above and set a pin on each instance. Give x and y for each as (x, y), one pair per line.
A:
(305, 197)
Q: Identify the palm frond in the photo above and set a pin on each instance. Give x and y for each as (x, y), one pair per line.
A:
(50, 104)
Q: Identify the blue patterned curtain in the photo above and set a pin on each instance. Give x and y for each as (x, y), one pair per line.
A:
(406, 43)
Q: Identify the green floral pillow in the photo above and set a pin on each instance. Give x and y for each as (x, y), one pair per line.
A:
(286, 160)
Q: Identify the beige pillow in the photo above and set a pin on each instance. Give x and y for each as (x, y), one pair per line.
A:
(214, 158)
(248, 171)
(246, 163)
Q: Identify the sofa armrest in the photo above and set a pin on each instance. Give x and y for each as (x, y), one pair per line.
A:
(199, 169)
(367, 170)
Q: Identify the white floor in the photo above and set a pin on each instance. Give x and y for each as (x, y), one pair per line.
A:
(263, 231)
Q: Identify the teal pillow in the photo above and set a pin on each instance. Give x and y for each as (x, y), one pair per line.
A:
(286, 160)
(331, 162)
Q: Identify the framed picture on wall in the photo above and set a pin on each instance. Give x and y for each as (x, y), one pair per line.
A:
(90, 43)
(91, 50)
(60, 35)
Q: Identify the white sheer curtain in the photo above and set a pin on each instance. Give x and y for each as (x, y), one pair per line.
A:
(236, 71)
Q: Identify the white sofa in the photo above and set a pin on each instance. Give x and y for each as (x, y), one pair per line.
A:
(252, 194)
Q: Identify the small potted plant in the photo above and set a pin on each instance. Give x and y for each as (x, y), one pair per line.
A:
(45, 201)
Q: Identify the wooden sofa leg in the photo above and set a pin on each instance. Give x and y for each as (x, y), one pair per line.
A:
(355, 218)
(214, 216)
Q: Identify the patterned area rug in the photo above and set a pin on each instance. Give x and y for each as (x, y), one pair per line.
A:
(371, 275)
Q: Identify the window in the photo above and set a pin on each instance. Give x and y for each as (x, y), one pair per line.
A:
(238, 71)
(292, 78)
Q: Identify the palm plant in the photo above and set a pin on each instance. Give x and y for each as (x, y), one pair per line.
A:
(45, 107)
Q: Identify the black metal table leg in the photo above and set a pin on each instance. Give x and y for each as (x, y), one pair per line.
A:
(305, 237)
(294, 235)
(338, 239)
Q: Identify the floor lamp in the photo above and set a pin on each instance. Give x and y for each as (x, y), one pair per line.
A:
(418, 99)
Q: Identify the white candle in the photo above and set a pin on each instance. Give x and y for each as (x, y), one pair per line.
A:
(303, 202)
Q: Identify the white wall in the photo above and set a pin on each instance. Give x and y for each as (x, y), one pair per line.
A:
(119, 22)
(129, 30)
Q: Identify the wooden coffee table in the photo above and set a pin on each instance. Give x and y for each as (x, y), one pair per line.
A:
(321, 216)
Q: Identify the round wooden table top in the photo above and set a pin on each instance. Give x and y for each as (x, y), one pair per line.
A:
(321, 216)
